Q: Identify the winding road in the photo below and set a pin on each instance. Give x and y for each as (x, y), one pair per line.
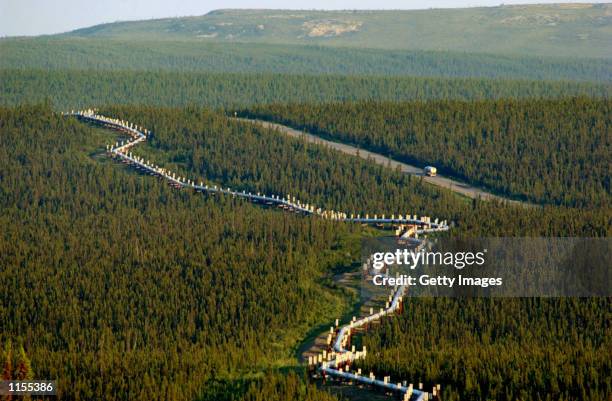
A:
(440, 181)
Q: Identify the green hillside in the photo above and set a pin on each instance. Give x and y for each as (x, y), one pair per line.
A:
(120, 287)
(505, 145)
(190, 56)
(72, 89)
(574, 30)
(124, 289)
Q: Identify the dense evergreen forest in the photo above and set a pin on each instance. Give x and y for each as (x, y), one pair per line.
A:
(122, 288)
(546, 151)
(499, 349)
(209, 146)
(69, 89)
(198, 56)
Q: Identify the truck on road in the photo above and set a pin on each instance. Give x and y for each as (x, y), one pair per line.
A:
(430, 171)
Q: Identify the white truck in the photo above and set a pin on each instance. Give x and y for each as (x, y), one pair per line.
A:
(430, 171)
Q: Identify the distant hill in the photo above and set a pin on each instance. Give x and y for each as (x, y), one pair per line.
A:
(565, 30)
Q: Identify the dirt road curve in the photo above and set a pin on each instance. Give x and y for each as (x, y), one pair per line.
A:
(441, 181)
